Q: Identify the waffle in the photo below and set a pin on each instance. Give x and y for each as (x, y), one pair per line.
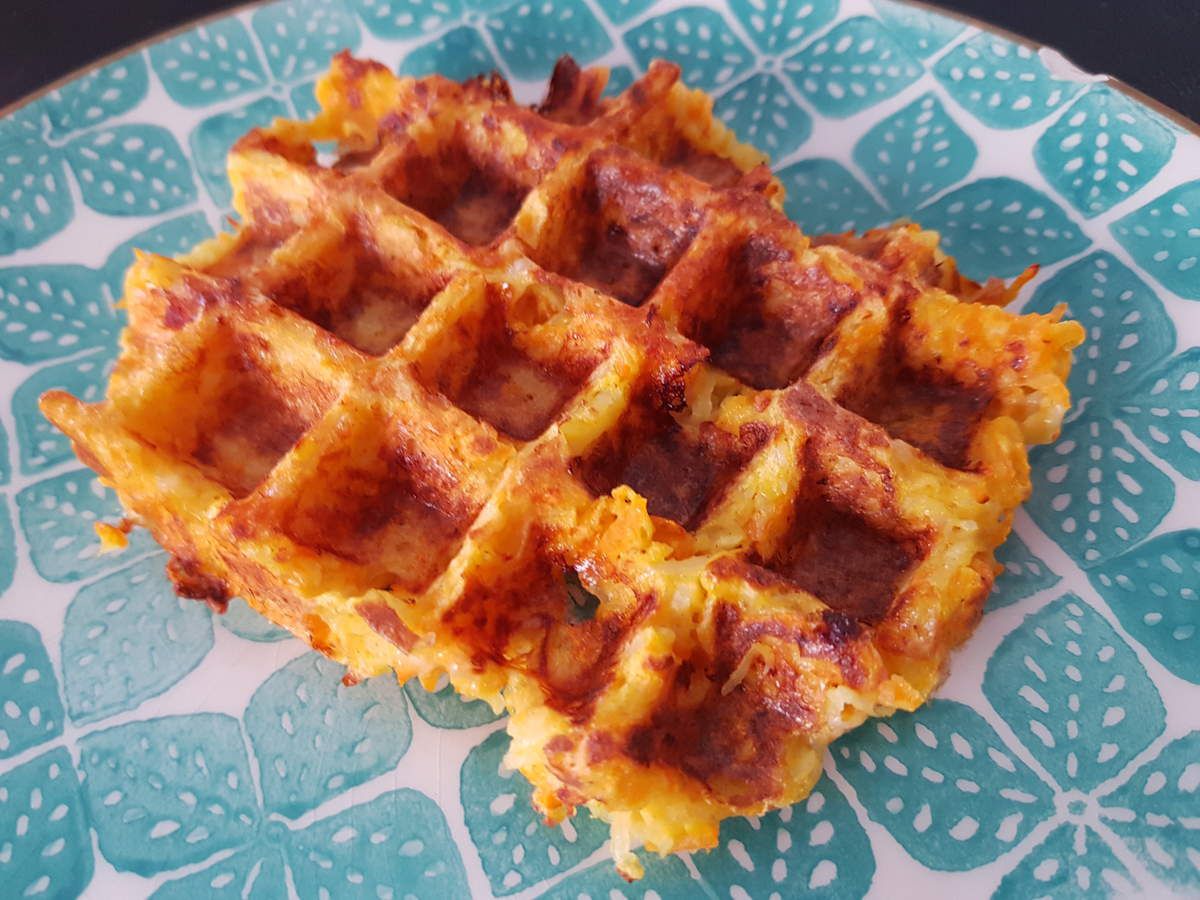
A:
(556, 402)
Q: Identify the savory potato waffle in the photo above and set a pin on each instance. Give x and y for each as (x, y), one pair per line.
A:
(557, 403)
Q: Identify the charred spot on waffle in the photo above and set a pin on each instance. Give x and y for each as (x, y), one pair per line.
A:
(764, 315)
(715, 170)
(851, 565)
(626, 231)
(379, 501)
(573, 95)
(682, 472)
(838, 547)
(245, 411)
(732, 712)
(191, 581)
(505, 371)
(927, 409)
(350, 287)
(472, 193)
(527, 615)
(938, 411)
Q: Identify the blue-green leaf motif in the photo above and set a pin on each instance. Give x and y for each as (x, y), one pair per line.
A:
(129, 637)
(1093, 494)
(30, 711)
(824, 198)
(1023, 575)
(304, 100)
(25, 122)
(1000, 226)
(855, 65)
(920, 31)
(397, 845)
(1128, 328)
(299, 36)
(208, 64)
(170, 238)
(697, 38)
(45, 845)
(1164, 238)
(779, 25)
(761, 112)
(131, 170)
(1155, 813)
(1152, 589)
(1001, 83)
(665, 878)
(941, 781)
(1074, 693)
(816, 848)
(1164, 412)
(619, 78)
(255, 873)
(621, 11)
(35, 201)
(8, 549)
(401, 19)
(445, 709)
(315, 737)
(531, 36)
(58, 516)
(5, 470)
(51, 311)
(459, 53)
(516, 848)
(915, 153)
(1103, 149)
(166, 792)
(241, 620)
(1072, 862)
(212, 139)
(97, 96)
(39, 444)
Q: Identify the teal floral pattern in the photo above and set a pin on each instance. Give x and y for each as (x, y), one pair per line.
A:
(1004, 85)
(149, 746)
(131, 170)
(44, 837)
(824, 198)
(32, 713)
(166, 792)
(1164, 237)
(34, 199)
(316, 737)
(128, 637)
(915, 153)
(944, 785)
(208, 64)
(854, 66)
(1000, 226)
(515, 847)
(396, 845)
(1153, 592)
(1103, 149)
(816, 846)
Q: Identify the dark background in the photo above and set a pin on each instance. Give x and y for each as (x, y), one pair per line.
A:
(1153, 45)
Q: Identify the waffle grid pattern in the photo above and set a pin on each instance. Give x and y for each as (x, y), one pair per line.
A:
(449, 410)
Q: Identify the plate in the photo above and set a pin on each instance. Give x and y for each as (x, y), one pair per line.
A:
(148, 746)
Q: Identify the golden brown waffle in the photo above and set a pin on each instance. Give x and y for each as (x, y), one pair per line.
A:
(558, 403)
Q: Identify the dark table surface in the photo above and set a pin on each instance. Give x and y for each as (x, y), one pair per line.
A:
(1151, 44)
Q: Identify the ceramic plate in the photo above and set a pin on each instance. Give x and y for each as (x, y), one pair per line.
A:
(148, 746)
